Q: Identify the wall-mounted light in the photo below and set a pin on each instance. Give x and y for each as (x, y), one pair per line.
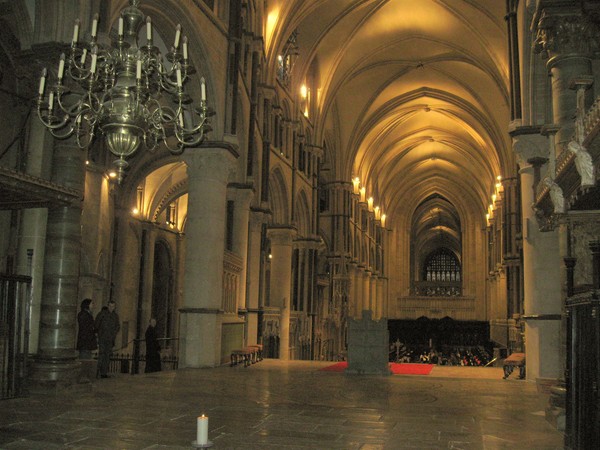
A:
(135, 211)
(370, 203)
(363, 194)
(377, 212)
(356, 184)
(303, 91)
(383, 217)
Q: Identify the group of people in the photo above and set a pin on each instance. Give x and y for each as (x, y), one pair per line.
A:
(99, 334)
(451, 356)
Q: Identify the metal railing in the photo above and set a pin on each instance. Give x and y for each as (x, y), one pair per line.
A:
(126, 362)
(15, 306)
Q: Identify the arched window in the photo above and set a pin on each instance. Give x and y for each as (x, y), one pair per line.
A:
(441, 265)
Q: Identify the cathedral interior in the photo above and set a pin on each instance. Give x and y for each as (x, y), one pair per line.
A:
(274, 172)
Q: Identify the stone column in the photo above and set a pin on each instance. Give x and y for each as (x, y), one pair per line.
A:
(253, 268)
(380, 297)
(281, 282)
(366, 296)
(200, 320)
(55, 363)
(542, 290)
(373, 296)
(32, 232)
(354, 294)
(240, 239)
(565, 36)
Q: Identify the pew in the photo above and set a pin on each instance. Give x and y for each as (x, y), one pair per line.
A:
(514, 360)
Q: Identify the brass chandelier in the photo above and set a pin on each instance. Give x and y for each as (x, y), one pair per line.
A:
(117, 90)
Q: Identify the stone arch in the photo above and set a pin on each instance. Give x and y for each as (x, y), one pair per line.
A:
(302, 216)
(162, 288)
(278, 198)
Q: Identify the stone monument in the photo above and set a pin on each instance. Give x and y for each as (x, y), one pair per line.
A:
(368, 343)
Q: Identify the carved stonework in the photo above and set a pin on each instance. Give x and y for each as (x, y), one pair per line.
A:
(530, 146)
(583, 163)
(584, 228)
(563, 31)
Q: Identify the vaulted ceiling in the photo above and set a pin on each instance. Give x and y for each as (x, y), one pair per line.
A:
(411, 94)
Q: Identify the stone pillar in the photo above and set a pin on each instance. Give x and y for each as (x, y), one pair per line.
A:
(373, 296)
(241, 217)
(32, 232)
(366, 295)
(354, 294)
(200, 320)
(565, 35)
(381, 313)
(281, 282)
(542, 290)
(55, 363)
(253, 268)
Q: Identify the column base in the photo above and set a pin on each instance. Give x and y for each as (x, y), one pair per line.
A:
(54, 372)
(200, 338)
(556, 413)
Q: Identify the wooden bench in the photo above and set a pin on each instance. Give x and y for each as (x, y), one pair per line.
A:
(514, 360)
(245, 355)
(259, 351)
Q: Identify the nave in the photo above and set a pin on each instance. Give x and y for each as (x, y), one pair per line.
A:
(286, 405)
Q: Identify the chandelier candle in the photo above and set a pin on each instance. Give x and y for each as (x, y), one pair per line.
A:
(118, 92)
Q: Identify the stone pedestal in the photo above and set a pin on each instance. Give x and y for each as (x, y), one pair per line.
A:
(368, 344)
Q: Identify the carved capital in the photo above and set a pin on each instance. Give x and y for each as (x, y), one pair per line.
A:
(529, 147)
(566, 31)
(281, 235)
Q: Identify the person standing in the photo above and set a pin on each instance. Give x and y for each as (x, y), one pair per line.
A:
(152, 348)
(107, 326)
(86, 336)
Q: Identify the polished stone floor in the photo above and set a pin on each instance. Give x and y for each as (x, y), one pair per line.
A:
(285, 405)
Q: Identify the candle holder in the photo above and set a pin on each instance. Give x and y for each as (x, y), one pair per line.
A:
(207, 445)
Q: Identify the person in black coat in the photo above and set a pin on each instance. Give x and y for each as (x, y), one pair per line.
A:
(152, 348)
(86, 336)
(107, 326)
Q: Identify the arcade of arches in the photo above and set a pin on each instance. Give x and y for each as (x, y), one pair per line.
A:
(411, 158)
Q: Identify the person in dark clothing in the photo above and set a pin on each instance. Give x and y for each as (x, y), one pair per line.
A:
(86, 336)
(152, 348)
(107, 327)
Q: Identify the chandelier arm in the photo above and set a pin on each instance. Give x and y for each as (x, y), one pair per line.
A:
(49, 121)
(176, 151)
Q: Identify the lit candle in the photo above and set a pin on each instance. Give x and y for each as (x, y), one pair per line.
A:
(202, 89)
(83, 56)
(149, 29)
(94, 59)
(179, 83)
(177, 36)
(120, 27)
(95, 25)
(43, 82)
(76, 31)
(202, 431)
(61, 66)
(185, 49)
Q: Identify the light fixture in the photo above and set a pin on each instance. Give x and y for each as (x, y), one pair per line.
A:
(356, 185)
(117, 90)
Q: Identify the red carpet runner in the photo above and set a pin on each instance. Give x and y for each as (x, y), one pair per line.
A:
(397, 369)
